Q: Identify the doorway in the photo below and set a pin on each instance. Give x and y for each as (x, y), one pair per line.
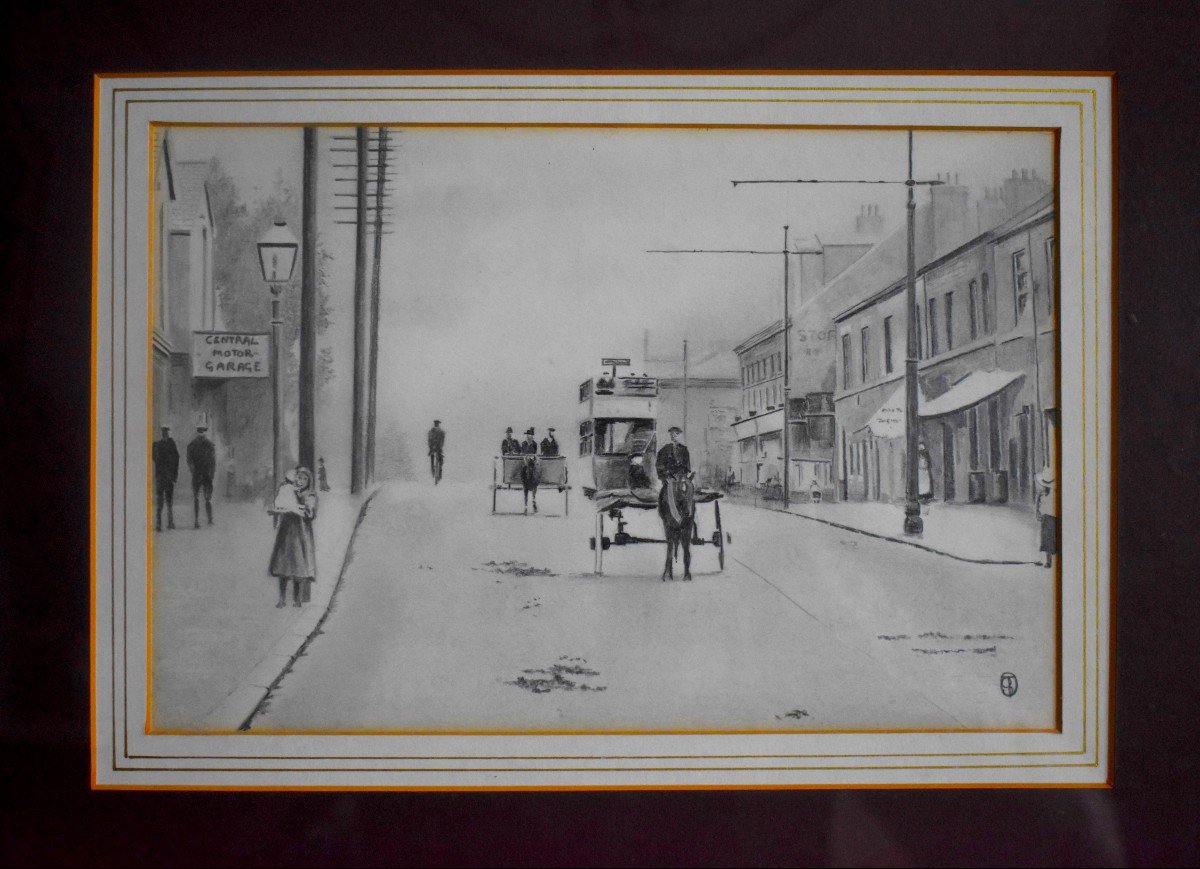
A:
(947, 462)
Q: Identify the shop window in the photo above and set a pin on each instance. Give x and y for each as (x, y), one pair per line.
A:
(973, 437)
(949, 304)
(973, 309)
(933, 329)
(995, 454)
(888, 364)
(845, 362)
(820, 431)
(1020, 269)
(865, 352)
(985, 303)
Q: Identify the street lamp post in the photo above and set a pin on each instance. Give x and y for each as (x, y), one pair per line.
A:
(277, 255)
(912, 507)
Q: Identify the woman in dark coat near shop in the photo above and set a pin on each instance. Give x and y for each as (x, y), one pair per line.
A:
(295, 554)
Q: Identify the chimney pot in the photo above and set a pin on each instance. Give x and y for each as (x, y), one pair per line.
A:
(956, 179)
(1024, 175)
(1014, 175)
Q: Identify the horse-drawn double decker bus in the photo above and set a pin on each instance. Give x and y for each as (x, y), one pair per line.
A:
(618, 418)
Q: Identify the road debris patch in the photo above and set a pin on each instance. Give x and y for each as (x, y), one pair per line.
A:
(555, 677)
(795, 713)
(536, 602)
(515, 568)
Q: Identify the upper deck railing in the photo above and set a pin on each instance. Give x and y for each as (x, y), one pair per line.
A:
(623, 387)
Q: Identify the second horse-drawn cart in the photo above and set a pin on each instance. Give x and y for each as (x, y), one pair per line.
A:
(527, 474)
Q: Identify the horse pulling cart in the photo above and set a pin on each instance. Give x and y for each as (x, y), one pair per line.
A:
(527, 474)
(618, 448)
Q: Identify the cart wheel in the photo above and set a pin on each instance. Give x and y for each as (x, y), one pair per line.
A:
(719, 535)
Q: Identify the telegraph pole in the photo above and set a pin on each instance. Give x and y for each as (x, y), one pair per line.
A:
(913, 523)
(368, 206)
(362, 335)
(373, 373)
(308, 304)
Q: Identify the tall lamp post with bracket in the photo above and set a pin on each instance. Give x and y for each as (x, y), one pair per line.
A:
(277, 250)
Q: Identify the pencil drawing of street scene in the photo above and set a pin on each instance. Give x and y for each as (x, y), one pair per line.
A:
(588, 429)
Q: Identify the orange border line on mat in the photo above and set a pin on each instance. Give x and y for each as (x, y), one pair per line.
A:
(150, 731)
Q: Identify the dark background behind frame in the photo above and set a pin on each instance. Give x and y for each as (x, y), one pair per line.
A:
(1150, 817)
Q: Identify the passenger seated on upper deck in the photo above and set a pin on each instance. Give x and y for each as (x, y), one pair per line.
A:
(604, 385)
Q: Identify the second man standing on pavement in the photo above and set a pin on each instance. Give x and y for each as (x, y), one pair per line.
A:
(202, 463)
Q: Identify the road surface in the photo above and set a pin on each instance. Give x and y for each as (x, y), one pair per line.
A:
(452, 618)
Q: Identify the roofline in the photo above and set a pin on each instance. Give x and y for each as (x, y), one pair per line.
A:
(700, 382)
(761, 335)
(1020, 221)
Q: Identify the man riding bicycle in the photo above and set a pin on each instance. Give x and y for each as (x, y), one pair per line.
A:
(436, 439)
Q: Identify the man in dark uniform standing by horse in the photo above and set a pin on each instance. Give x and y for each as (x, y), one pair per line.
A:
(676, 504)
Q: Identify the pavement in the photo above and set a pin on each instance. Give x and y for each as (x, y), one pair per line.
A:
(453, 618)
(979, 533)
(218, 640)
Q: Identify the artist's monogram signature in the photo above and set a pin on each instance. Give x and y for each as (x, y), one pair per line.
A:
(1008, 684)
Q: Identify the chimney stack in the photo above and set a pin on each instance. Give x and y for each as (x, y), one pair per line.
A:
(869, 221)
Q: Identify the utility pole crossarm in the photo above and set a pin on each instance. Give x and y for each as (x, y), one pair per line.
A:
(756, 252)
(906, 183)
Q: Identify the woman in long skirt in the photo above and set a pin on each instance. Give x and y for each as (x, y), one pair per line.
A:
(1047, 511)
(294, 557)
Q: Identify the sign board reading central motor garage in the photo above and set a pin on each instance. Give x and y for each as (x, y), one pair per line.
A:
(231, 354)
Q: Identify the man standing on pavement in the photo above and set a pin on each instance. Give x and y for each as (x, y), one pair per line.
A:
(436, 440)
(510, 446)
(550, 444)
(166, 470)
(202, 464)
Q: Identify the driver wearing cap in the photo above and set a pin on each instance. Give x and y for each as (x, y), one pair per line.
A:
(673, 461)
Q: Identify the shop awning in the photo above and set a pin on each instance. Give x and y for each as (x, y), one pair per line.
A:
(975, 387)
(888, 420)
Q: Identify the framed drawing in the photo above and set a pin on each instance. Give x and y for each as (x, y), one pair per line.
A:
(810, 372)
